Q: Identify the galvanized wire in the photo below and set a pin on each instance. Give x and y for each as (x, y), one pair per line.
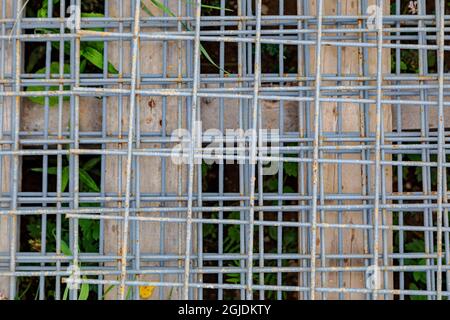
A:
(389, 219)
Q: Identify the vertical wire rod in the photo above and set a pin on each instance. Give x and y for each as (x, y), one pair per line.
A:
(15, 169)
(440, 22)
(253, 142)
(194, 129)
(315, 176)
(379, 28)
(134, 60)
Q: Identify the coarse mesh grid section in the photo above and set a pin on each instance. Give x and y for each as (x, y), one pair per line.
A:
(353, 95)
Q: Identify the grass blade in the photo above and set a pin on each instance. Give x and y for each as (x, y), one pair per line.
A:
(52, 101)
(65, 178)
(88, 181)
(65, 249)
(208, 6)
(146, 9)
(208, 57)
(96, 58)
(108, 290)
(162, 7)
(169, 12)
(66, 293)
(91, 163)
(92, 15)
(84, 291)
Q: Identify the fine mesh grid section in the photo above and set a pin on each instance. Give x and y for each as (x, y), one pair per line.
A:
(224, 149)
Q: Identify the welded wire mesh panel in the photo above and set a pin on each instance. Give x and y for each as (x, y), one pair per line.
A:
(224, 149)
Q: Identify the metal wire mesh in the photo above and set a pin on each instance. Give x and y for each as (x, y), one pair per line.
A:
(340, 218)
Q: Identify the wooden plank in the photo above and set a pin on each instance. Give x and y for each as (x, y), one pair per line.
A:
(410, 115)
(5, 106)
(33, 117)
(353, 178)
(154, 237)
(270, 113)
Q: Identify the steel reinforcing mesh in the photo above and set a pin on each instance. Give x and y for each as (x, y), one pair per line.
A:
(353, 94)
